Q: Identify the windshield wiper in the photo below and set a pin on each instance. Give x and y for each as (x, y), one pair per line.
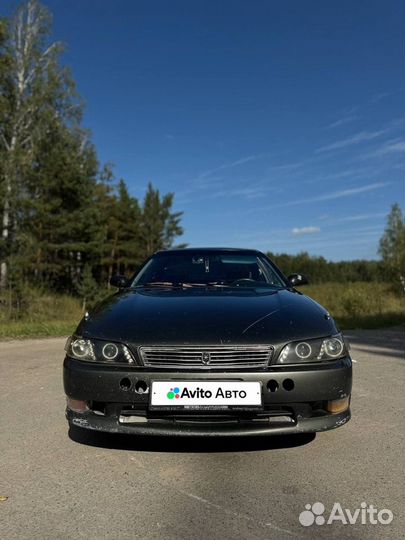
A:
(159, 284)
(204, 285)
(214, 284)
(177, 284)
(185, 285)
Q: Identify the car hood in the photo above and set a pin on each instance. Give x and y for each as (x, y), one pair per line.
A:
(219, 316)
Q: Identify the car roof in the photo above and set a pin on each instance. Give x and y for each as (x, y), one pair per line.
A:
(211, 250)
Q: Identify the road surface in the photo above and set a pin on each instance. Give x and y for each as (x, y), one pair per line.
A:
(103, 487)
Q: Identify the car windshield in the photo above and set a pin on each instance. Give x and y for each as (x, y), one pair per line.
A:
(208, 269)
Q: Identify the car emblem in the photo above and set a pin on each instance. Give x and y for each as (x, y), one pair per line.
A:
(206, 357)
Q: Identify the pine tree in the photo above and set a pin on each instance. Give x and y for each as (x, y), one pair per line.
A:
(159, 225)
(87, 287)
(60, 216)
(120, 224)
(105, 202)
(128, 219)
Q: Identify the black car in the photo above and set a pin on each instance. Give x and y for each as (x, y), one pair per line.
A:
(208, 342)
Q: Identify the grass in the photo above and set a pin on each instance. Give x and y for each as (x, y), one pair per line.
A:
(353, 305)
(40, 315)
(17, 329)
(359, 304)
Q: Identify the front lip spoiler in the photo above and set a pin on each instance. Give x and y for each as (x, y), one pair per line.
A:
(109, 424)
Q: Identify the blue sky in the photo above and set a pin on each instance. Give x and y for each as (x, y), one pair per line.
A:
(279, 125)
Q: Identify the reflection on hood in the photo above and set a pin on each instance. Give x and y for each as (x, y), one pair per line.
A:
(207, 316)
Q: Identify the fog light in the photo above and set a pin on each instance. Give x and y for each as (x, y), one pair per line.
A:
(338, 405)
(76, 405)
(133, 419)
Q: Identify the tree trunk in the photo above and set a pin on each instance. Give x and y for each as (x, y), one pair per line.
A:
(5, 226)
(4, 236)
(112, 256)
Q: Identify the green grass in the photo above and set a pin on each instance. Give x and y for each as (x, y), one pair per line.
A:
(360, 305)
(353, 305)
(16, 329)
(40, 315)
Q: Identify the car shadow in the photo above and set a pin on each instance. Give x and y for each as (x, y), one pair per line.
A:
(143, 443)
(387, 342)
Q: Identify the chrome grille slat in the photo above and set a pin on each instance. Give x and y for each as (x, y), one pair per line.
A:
(238, 356)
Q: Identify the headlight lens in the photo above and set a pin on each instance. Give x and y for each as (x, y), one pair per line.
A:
(82, 348)
(303, 350)
(333, 347)
(110, 351)
(314, 350)
(95, 350)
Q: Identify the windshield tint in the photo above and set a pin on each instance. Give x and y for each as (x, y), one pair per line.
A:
(216, 269)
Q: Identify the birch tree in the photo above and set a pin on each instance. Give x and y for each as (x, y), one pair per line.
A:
(34, 89)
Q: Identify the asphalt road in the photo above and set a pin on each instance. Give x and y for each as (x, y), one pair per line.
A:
(103, 487)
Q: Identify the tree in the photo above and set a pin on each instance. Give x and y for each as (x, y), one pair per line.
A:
(5, 60)
(159, 225)
(392, 244)
(87, 287)
(60, 216)
(319, 270)
(35, 90)
(128, 238)
(121, 225)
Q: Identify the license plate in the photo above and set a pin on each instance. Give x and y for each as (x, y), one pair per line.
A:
(210, 394)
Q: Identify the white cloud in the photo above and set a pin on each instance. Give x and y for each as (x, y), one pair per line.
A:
(318, 198)
(337, 194)
(380, 96)
(229, 165)
(289, 166)
(358, 138)
(391, 147)
(208, 180)
(342, 121)
(252, 191)
(362, 217)
(299, 231)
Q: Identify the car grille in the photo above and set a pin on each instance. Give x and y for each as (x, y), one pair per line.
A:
(242, 357)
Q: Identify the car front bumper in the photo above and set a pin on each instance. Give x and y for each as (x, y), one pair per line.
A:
(116, 400)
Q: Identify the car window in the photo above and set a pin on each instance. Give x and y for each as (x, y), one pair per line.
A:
(192, 268)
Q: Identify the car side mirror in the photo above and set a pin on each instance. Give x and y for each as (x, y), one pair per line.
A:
(119, 281)
(295, 280)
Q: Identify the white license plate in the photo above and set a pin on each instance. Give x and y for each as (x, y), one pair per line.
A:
(205, 393)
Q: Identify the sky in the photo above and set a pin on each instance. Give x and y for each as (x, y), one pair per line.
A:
(279, 125)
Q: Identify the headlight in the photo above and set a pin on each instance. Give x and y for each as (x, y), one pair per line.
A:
(333, 347)
(313, 350)
(95, 350)
(82, 348)
(303, 350)
(110, 351)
